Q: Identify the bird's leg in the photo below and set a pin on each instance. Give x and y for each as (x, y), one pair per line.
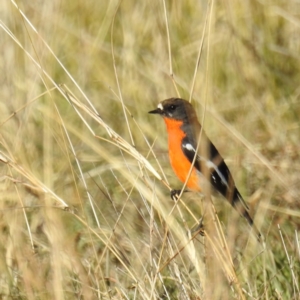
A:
(200, 228)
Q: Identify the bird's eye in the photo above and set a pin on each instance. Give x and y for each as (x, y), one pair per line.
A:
(172, 107)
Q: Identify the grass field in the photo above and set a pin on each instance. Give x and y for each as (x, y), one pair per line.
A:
(85, 182)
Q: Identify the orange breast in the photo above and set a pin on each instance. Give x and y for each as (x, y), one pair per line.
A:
(180, 163)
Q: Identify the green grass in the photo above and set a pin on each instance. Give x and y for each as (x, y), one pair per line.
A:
(85, 177)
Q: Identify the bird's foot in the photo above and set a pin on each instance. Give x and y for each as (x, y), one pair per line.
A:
(175, 194)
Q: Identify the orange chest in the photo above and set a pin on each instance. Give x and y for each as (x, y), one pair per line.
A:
(179, 162)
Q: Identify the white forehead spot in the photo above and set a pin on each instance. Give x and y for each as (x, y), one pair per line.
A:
(160, 106)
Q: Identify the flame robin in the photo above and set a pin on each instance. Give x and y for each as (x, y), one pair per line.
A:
(184, 131)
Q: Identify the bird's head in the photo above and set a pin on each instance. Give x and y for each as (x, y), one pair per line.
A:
(176, 109)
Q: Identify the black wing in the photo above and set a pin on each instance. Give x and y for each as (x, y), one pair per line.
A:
(215, 166)
(220, 176)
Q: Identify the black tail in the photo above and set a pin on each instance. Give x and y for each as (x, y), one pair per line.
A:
(240, 205)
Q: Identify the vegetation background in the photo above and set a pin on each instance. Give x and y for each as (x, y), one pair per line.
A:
(85, 205)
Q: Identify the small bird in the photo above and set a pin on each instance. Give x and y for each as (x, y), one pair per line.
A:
(184, 132)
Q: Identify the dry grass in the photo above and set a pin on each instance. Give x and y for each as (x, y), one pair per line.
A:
(85, 206)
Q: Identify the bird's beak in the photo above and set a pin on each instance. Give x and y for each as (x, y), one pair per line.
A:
(155, 111)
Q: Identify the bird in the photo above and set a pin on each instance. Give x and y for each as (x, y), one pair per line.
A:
(208, 167)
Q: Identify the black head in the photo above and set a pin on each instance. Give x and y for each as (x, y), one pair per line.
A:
(175, 108)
